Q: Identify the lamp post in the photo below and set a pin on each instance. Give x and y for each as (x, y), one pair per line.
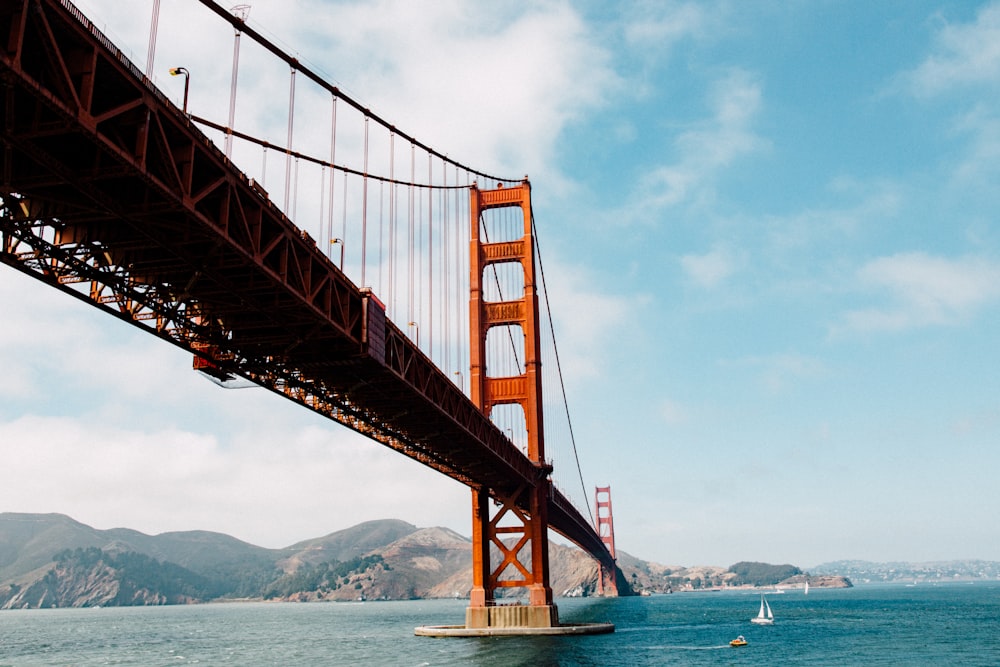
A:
(461, 380)
(341, 243)
(175, 71)
(416, 328)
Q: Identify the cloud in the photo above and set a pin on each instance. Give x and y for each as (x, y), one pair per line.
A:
(515, 75)
(270, 488)
(710, 147)
(964, 70)
(979, 165)
(587, 321)
(923, 290)
(656, 27)
(966, 55)
(711, 269)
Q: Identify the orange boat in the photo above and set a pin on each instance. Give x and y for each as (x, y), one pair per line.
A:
(739, 641)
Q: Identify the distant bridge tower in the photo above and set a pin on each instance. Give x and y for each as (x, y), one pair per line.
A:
(525, 563)
(606, 580)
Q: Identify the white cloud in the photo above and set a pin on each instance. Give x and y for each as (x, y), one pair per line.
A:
(523, 72)
(967, 55)
(712, 268)
(980, 164)
(709, 148)
(964, 70)
(268, 487)
(859, 207)
(923, 290)
(656, 27)
(153, 446)
(587, 321)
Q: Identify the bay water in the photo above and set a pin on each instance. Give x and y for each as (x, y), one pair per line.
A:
(942, 624)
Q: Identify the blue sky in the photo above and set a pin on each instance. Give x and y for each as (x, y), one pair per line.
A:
(771, 235)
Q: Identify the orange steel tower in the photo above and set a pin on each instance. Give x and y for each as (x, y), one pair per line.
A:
(524, 557)
(606, 582)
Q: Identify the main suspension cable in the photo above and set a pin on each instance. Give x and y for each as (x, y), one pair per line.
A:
(315, 160)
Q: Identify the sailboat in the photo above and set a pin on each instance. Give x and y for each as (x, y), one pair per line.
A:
(764, 616)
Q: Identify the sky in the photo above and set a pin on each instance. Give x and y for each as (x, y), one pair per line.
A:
(772, 236)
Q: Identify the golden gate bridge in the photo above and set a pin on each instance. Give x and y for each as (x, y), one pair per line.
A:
(117, 196)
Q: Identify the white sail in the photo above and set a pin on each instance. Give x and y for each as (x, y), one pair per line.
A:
(764, 616)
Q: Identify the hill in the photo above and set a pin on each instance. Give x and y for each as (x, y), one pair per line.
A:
(51, 560)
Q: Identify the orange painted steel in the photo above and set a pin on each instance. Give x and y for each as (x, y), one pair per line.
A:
(607, 579)
(522, 516)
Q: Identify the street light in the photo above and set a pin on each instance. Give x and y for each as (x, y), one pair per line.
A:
(175, 71)
(416, 327)
(341, 243)
(461, 380)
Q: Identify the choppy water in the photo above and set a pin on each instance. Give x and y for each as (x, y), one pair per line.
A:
(954, 624)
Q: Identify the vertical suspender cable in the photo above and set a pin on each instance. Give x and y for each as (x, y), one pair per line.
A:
(295, 191)
(288, 143)
(263, 166)
(460, 222)
(381, 234)
(421, 254)
(322, 204)
(154, 23)
(445, 268)
(343, 226)
(333, 178)
(418, 245)
(390, 296)
(430, 258)
(364, 210)
(409, 234)
(240, 12)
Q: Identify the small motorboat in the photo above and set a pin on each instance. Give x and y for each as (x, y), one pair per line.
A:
(739, 641)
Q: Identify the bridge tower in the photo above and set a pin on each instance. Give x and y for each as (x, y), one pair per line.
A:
(524, 558)
(606, 581)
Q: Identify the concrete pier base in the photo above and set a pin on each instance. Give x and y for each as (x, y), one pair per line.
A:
(462, 631)
(512, 616)
(507, 620)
